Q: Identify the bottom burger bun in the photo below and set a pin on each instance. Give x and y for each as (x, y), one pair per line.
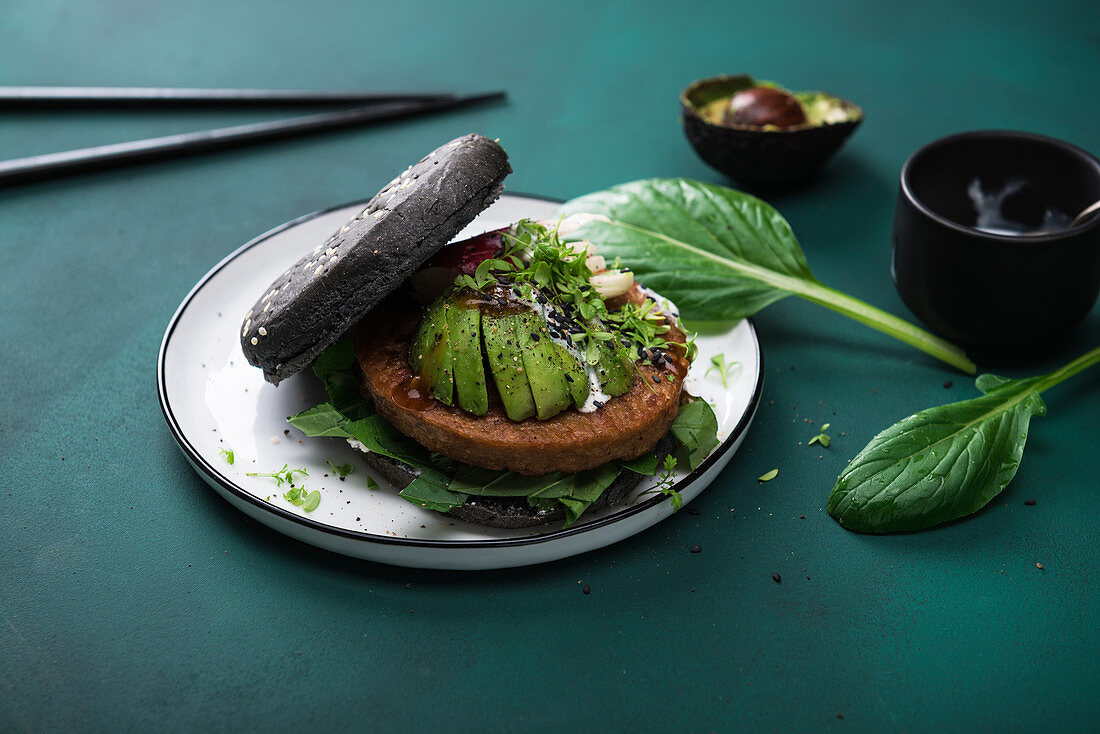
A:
(511, 512)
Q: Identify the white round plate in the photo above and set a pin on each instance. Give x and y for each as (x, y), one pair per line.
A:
(215, 402)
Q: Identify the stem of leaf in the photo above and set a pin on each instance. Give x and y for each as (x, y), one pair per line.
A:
(886, 323)
(1086, 360)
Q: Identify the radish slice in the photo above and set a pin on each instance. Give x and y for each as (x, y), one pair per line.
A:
(596, 263)
(612, 283)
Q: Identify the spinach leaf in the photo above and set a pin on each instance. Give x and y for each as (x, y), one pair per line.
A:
(722, 255)
(338, 370)
(433, 495)
(646, 464)
(946, 462)
(696, 428)
(320, 420)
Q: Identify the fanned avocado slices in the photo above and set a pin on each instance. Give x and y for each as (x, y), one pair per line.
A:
(534, 375)
(506, 364)
(464, 328)
(543, 365)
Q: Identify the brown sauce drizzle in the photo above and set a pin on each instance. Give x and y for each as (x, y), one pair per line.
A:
(413, 394)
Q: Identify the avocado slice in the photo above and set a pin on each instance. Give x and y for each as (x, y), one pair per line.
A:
(464, 328)
(613, 369)
(615, 372)
(431, 355)
(544, 369)
(575, 375)
(422, 338)
(506, 364)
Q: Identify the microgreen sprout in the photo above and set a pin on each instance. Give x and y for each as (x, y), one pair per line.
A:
(298, 497)
(665, 482)
(283, 475)
(343, 469)
(768, 476)
(718, 362)
(371, 484)
(228, 454)
(821, 437)
(295, 495)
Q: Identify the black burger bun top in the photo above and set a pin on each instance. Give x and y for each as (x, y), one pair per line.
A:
(315, 301)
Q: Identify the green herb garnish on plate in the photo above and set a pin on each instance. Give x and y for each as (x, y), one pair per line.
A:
(343, 470)
(718, 363)
(281, 476)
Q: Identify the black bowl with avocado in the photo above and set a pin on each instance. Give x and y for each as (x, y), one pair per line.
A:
(743, 142)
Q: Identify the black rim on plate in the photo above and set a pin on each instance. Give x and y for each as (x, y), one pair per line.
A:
(200, 462)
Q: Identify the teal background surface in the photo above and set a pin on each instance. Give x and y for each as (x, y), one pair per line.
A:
(135, 599)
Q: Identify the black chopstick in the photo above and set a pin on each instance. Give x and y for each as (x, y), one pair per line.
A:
(29, 98)
(51, 165)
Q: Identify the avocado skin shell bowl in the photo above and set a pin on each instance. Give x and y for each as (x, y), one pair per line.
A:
(757, 155)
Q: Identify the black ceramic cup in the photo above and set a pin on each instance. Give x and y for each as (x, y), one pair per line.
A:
(998, 295)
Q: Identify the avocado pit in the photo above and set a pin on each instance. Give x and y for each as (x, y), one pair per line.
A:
(759, 106)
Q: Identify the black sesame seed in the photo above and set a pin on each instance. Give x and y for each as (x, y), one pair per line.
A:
(657, 379)
(948, 383)
(776, 578)
(694, 511)
(568, 378)
(534, 336)
(597, 403)
(1029, 503)
(586, 589)
(696, 549)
